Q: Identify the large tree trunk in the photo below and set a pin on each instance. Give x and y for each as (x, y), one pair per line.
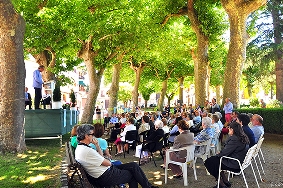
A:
(138, 71)
(95, 75)
(218, 94)
(48, 59)
(200, 57)
(181, 89)
(238, 11)
(277, 26)
(162, 95)
(12, 84)
(113, 91)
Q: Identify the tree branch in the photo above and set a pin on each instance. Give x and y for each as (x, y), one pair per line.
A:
(183, 11)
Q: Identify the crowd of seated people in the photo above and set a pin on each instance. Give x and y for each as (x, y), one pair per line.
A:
(149, 125)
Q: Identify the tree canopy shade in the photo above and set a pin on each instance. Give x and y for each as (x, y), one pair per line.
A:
(12, 71)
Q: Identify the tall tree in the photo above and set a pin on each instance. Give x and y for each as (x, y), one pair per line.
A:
(276, 8)
(238, 12)
(12, 137)
(113, 91)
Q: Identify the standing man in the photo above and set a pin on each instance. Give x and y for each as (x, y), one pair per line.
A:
(207, 106)
(228, 108)
(214, 106)
(37, 84)
(27, 98)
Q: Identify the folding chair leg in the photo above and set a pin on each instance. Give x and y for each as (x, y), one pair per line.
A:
(254, 176)
(185, 175)
(260, 164)
(153, 159)
(257, 169)
(262, 155)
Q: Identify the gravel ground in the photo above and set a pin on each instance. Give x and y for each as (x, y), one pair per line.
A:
(272, 149)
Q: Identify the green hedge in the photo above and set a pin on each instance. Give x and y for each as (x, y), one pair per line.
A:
(272, 118)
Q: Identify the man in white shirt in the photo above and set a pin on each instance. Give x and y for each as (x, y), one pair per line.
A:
(100, 169)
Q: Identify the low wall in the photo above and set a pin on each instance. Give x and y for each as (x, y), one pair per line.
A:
(49, 122)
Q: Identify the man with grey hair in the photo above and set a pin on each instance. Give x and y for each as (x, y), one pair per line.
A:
(99, 169)
(257, 128)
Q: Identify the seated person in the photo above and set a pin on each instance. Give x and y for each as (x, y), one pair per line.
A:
(144, 127)
(165, 128)
(113, 120)
(129, 127)
(206, 133)
(102, 142)
(157, 134)
(257, 127)
(244, 120)
(197, 118)
(99, 169)
(185, 138)
(46, 99)
(236, 146)
(74, 141)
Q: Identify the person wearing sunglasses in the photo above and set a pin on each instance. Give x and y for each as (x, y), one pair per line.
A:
(99, 169)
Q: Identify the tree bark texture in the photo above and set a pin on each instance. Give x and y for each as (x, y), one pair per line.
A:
(181, 89)
(277, 24)
(218, 94)
(200, 56)
(238, 11)
(12, 84)
(48, 59)
(162, 95)
(88, 55)
(113, 91)
(138, 71)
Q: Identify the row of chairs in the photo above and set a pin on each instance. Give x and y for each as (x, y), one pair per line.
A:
(253, 154)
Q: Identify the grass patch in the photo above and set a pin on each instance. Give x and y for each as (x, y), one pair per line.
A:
(39, 166)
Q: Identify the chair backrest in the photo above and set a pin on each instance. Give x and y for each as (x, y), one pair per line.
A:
(259, 143)
(156, 144)
(165, 139)
(249, 156)
(114, 133)
(190, 152)
(132, 135)
(117, 125)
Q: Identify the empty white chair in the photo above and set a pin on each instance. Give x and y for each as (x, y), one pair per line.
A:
(247, 162)
(189, 159)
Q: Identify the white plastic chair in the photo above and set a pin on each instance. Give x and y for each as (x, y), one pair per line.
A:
(204, 155)
(189, 159)
(256, 155)
(247, 162)
(215, 148)
(261, 136)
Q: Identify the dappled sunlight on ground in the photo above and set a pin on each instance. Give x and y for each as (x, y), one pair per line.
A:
(2, 178)
(34, 179)
(23, 156)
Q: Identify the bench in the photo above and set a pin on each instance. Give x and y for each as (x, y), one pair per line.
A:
(74, 168)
